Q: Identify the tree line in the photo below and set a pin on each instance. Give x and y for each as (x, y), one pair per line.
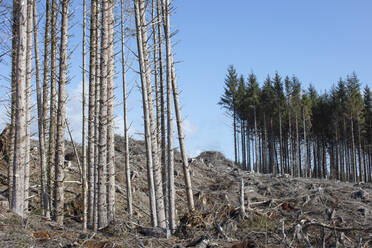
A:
(96, 161)
(282, 127)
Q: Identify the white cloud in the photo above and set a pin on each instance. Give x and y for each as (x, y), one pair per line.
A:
(190, 128)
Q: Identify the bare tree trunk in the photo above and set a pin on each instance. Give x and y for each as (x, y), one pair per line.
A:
(156, 75)
(97, 113)
(53, 101)
(92, 112)
(18, 194)
(144, 87)
(126, 136)
(355, 177)
(153, 129)
(83, 142)
(360, 157)
(110, 116)
(28, 100)
(44, 196)
(280, 141)
(13, 101)
(181, 136)
(102, 134)
(45, 103)
(298, 149)
(162, 109)
(255, 139)
(61, 116)
(305, 143)
(171, 189)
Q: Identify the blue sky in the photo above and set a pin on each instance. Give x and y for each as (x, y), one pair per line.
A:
(318, 41)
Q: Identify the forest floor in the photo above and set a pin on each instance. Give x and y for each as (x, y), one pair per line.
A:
(280, 211)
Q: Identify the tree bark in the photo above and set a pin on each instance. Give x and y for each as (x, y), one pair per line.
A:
(126, 136)
(53, 100)
(28, 100)
(144, 87)
(61, 116)
(83, 142)
(110, 116)
(153, 129)
(171, 189)
(18, 194)
(44, 195)
(92, 111)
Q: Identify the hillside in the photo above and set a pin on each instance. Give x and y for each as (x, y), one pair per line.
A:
(281, 211)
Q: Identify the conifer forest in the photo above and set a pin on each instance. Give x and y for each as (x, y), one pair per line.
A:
(299, 175)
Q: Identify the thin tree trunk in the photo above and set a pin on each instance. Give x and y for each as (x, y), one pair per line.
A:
(97, 113)
(255, 139)
(44, 196)
(45, 102)
(18, 194)
(110, 116)
(156, 75)
(83, 142)
(162, 108)
(171, 189)
(28, 100)
(298, 149)
(103, 120)
(153, 129)
(360, 157)
(144, 87)
(92, 112)
(61, 116)
(280, 141)
(13, 100)
(306, 174)
(53, 101)
(355, 177)
(126, 136)
(181, 138)
(177, 107)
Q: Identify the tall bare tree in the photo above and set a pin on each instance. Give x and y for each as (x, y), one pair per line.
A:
(28, 100)
(102, 139)
(110, 115)
(84, 149)
(13, 99)
(162, 103)
(92, 112)
(44, 195)
(18, 194)
(153, 129)
(53, 98)
(125, 109)
(171, 190)
(61, 117)
(144, 87)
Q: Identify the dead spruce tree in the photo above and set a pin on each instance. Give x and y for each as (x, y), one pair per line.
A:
(61, 116)
(126, 136)
(171, 190)
(144, 87)
(102, 134)
(153, 129)
(83, 142)
(28, 100)
(110, 115)
(13, 100)
(92, 112)
(41, 128)
(53, 101)
(18, 194)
